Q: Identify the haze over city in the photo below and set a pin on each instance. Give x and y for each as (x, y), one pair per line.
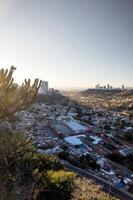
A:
(70, 43)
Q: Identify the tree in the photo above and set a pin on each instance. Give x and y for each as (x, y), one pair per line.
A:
(131, 188)
(13, 97)
(58, 185)
(107, 127)
(27, 175)
(116, 157)
(64, 155)
(87, 161)
(129, 137)
(16, 166)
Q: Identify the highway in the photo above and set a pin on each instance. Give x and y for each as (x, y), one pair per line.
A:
(107, 187)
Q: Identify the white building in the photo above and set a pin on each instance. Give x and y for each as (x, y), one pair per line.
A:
(76, 126)
(127, 151)
(44, 88)
(74, 141)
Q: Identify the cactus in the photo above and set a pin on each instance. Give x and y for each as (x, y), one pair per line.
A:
(12, 98)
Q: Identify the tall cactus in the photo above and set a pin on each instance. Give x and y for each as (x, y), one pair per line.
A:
(12, 98)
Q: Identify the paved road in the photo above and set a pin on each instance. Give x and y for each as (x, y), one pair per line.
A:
(105, 184)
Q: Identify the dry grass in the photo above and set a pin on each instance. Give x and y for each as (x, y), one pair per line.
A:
(87, 190)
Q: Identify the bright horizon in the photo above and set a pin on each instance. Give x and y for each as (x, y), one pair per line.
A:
(70, 43)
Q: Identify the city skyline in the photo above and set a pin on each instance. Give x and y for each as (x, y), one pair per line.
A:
(96, 86)
(71, 44)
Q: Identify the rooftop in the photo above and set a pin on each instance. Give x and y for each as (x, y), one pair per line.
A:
(76, 126)
(73, 140)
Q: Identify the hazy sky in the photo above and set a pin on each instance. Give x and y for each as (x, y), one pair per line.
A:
(70, 43)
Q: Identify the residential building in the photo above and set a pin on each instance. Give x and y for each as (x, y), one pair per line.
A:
(44, 88)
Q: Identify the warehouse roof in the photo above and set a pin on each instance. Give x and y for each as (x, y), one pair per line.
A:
(73, 140)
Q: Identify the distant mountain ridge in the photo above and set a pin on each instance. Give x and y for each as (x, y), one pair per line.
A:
(107, 92)
(127, 93)
(97, 91)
